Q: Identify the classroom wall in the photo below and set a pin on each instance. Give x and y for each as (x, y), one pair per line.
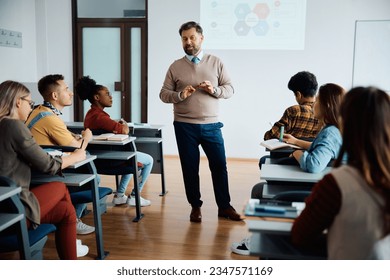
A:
(260, 76)
(46, 27)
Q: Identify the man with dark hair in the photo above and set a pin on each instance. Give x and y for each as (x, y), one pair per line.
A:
(298, 120)
(49, 129)
(194, 84)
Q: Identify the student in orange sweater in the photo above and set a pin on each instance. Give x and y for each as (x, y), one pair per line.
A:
(100, 98)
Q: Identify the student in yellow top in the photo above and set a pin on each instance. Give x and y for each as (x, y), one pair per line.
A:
(48, 128)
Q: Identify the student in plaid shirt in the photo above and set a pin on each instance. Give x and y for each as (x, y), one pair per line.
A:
(298, 120)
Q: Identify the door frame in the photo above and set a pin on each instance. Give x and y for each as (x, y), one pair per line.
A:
(124, 24)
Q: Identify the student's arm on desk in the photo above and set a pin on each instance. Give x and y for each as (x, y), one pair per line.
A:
(321, 207)
(288, 138)
(76, 156)
(79, 153)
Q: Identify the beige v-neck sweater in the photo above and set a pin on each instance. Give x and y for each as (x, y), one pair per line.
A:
(201, 107)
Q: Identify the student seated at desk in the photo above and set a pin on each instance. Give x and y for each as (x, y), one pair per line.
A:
(320, 152)
(353, 202)
(100, 98)
(326, 146)
(298, 120)
(48, 128)
(316, 155)
(47, 203)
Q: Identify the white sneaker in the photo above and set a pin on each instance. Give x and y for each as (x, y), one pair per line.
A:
(241, 248)
(118, 200)
(143, 201)
(82, 228)
(82, 250)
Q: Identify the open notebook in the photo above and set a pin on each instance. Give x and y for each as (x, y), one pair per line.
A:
(273, 144)
(111, 137)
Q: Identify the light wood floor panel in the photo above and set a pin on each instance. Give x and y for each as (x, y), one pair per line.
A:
(165, 232)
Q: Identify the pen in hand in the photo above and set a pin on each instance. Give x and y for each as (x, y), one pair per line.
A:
(82, 143)
(281, 132)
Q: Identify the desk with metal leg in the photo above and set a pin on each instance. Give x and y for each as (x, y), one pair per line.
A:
(271, 240)
(119, 151)
(78, 180)
(149, 140)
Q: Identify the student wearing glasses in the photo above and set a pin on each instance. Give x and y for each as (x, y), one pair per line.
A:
(47, 203)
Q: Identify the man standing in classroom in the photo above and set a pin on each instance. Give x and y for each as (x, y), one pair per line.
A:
(194, 84)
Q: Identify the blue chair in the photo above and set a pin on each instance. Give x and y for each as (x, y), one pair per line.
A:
(16, 237)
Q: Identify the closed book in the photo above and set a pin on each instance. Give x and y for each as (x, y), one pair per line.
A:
(111, 137)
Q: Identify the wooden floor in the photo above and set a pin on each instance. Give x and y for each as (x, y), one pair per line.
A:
(165, 231)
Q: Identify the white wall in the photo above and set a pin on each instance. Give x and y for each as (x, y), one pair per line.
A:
(260, 77)
(47, 43)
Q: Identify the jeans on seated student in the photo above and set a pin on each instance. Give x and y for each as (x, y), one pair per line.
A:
(120, 197)
(122, 167)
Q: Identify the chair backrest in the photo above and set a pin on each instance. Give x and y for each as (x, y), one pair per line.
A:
(292, 196)
(16, 236)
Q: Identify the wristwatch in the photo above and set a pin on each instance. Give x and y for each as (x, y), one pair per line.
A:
(215, 91)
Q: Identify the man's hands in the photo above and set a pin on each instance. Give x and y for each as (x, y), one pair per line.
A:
(207, 87)
(189, 90)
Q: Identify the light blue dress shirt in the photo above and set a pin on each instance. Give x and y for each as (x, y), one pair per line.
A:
(190, 57)
(325, 147)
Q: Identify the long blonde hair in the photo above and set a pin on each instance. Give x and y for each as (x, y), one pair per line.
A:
(10, 91)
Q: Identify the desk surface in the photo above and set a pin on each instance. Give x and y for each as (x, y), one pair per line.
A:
(88, 159)
(112, 155)
(6, 192)
(112, 143)
(290, 173)
(79, 125)
(276, 227)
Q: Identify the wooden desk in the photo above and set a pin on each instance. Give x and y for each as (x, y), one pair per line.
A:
(121, 151)
(78, 180)
(271, 240)
(149, 140)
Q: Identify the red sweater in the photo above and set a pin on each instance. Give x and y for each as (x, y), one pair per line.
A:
(96, 118)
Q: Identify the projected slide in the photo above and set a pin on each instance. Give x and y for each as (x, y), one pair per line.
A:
(253, 24)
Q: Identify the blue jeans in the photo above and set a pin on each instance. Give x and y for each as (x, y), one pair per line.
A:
(209, 136)
(147, 162)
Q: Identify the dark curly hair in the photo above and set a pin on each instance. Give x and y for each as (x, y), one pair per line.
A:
(304, 82)
(87, 88)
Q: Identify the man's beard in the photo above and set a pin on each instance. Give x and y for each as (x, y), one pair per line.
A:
(192, 51)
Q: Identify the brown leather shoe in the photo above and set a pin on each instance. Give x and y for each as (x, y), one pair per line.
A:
(229, 213)
(196, 215)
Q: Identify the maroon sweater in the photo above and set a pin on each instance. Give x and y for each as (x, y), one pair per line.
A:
(321, 207)
(96, 118)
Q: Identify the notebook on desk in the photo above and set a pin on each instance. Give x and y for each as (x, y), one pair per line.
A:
(263, 208)
(273, 144)
(111, 137)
